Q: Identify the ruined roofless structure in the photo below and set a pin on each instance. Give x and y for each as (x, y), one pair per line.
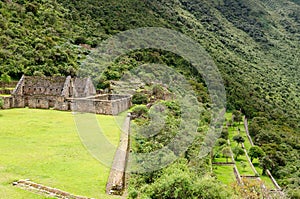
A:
(65, 94)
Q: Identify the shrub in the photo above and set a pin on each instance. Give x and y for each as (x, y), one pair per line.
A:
(139, 111)
(224, 134)
(221, 142)
(139, 98)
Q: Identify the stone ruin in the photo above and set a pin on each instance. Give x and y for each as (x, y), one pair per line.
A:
(65, 94)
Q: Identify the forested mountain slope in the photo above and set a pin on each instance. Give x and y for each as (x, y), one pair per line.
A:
(254, 43)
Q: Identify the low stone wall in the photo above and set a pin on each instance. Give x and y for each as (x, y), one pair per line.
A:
(5, 92)
(11, 84)
(223, 163)
(116, 181)
(249, 160)
(237, 175)
(247, 131)
(101, 104)
(48, 191)
(273, 180)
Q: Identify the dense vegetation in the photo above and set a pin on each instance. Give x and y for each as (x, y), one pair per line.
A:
(255, 44)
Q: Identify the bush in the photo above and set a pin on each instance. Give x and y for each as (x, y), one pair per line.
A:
(177, 181)
(224, 134)
(139, 98)
(139, 111)
(221, 142)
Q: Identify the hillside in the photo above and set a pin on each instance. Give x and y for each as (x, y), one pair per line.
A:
(254, 43)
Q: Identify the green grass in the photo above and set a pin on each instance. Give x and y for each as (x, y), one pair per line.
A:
(224, 174)
(43, 145)
(243, 171)
(5, 95)
(221, 159)
(7, 88)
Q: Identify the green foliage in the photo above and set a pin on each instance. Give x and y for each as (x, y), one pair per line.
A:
(266, 163)
(158, 91)
(226, 152)
(5, 78)
(237, 152)
(139, 98)
(253, 43)
(238, 117)
(257, 124)
(177, 181)
(139, 111)
(221, 142)
(255, 152)
(238, 139)
(224, 133)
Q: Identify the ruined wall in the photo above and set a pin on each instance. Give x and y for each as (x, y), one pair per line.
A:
(83, 87)
(35, 102)
(7, 102)
(89, 88)
(120, 105)
(67, 90)
(18, 102)
(101, 105)
(43, 86)
(11, 84)
(65, 93)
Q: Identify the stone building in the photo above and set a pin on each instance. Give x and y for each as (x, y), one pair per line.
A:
(64, 93)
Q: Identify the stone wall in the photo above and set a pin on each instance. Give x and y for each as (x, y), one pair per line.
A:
(45, 190)
(116, 181)
(11, 84)
(65, 93)
(101, 104)
(83, 87)
(120, 105)
(43, 86)
(5, 92)
(7, 102)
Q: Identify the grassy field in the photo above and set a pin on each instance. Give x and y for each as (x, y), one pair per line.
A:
(43, 146)
(224, 174)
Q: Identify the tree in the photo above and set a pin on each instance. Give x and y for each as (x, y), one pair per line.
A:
(224, 134)
(5, 79)
(238, 139)
(178, 181)
(266, 163)
(256, 152)
(221, 142)
(238, 151)
(237, 116)
(226, 152)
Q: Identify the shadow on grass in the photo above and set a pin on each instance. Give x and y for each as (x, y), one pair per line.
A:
(256, 164)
